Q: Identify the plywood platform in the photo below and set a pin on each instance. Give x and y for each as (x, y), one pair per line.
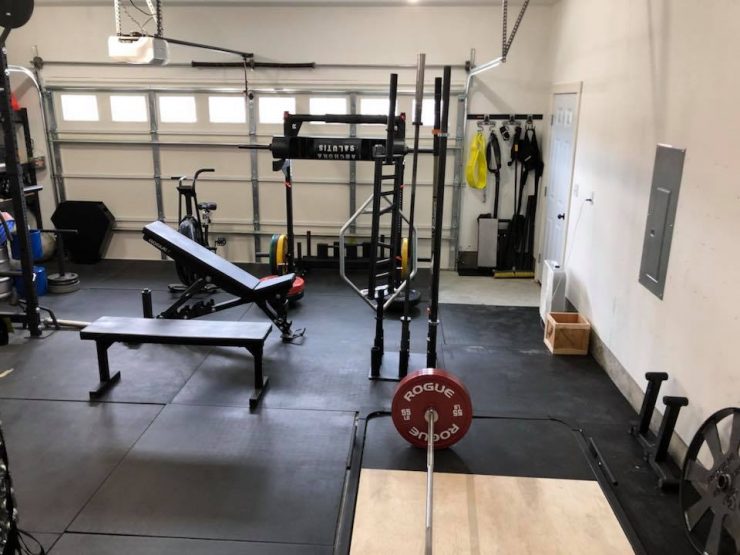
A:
(484, 514)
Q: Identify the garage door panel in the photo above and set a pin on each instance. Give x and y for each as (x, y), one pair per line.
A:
(331, 171)
(228, 162)
(107, 159)
(128, 244)
(234, 200)
(321, 203)
(126, 199)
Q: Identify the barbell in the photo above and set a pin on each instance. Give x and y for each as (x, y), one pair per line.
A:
(431, 408)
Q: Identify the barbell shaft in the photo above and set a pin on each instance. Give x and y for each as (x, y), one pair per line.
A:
(430, 415)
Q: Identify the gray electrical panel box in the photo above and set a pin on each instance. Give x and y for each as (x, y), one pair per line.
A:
(661, 216)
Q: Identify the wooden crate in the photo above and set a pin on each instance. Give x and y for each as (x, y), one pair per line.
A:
(567, 333)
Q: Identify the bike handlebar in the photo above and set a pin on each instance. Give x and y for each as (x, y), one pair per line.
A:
(182, 178)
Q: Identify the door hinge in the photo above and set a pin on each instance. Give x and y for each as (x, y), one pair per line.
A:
(552, 119)
(544, 192)
(539, 258)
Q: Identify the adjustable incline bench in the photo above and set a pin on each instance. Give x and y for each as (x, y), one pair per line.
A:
(270, 295)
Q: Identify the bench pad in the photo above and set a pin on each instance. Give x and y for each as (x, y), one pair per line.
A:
(177, 332)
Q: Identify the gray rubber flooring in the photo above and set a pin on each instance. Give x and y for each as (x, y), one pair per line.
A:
(502, 447)
(74, 544)
(61, 452)
(223, 473)
(171, 461)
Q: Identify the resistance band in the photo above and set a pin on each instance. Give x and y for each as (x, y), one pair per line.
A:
(476, 170)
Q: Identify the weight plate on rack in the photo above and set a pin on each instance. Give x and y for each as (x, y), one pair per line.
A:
(278, 254)
(710, 485)
(406, 255)
(441, 391)
(282, 253)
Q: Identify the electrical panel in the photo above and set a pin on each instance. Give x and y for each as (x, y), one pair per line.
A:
(656, 248)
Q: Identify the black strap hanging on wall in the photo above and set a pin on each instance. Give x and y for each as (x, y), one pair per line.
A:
(515, 144)
(493, 159)
(532, 162)
(531, 158)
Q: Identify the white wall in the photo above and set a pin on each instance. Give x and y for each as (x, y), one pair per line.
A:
(369, 35)
(658, 72)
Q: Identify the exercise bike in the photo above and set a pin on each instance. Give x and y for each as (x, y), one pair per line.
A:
(194, 224)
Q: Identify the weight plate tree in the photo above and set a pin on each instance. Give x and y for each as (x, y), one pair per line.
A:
(710, 493)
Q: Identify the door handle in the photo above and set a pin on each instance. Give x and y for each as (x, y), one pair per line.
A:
(561, 216)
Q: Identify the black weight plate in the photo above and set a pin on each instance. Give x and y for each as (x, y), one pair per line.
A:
(710, 493)
(15, 13)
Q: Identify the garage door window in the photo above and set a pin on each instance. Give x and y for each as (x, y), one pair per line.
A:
(80, 107)
(177, 109)
(322, 105)
(272, 108)
(227, 109)
(375, 106)
(427, 111)
(127, 108)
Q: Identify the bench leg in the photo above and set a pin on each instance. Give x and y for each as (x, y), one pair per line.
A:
(106, 380)
(260, 381)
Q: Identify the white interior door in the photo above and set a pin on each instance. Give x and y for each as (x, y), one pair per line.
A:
(560, 175)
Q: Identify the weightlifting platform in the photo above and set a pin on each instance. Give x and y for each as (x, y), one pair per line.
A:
(475, 513)
(512, 485)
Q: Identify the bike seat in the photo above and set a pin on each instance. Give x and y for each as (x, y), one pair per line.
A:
(207, 206)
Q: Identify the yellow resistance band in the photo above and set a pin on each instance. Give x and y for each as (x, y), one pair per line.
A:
(476, 170)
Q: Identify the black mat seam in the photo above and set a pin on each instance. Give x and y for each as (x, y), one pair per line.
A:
(81, 401)
(59, 537)
(85, 401)
(117, 465)
(209, 352)
(208, 539)
(260, 409)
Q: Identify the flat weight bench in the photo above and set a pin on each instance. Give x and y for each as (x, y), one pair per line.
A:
(109, 329)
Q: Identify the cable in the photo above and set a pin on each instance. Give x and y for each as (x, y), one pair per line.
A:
(141, 26)
(23, 546)
(138, 8)
(132, 18)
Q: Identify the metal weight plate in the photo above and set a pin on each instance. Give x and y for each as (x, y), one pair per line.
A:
(432, 388)
(273, 254)
(405, 258)
(282, 253)
(69, 283)
(710, 485)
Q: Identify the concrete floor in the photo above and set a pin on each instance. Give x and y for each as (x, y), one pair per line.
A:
(485, 290)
